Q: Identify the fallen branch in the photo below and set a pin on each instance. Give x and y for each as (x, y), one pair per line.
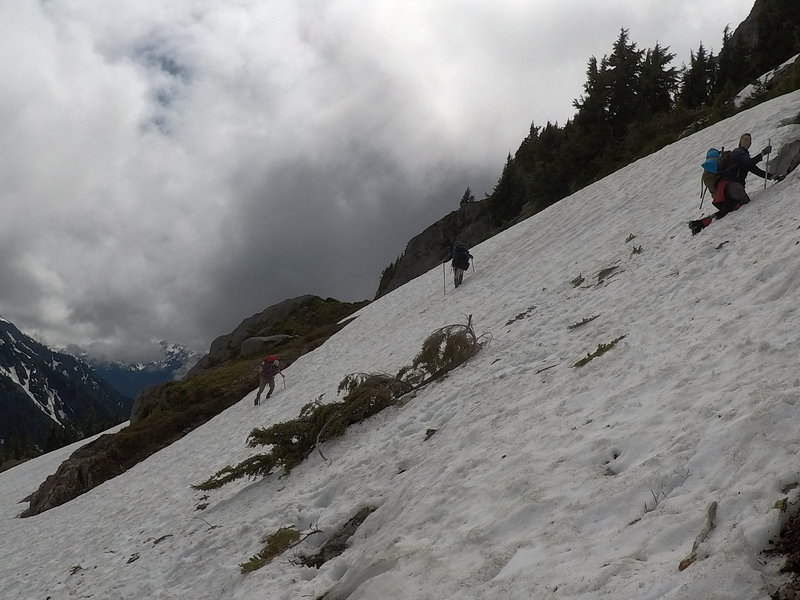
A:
(708, 525)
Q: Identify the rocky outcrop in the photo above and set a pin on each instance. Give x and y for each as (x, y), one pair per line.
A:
(229, 346)
(255, 346)
(470, 224)
(768, 27)
(746, 33)
(146, 401)
(164, 413)
(86, 468)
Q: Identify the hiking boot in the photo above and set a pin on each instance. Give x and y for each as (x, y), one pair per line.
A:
(695, 227)
(255, 402)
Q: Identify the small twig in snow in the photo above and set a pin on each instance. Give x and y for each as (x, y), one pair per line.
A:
(708, 525)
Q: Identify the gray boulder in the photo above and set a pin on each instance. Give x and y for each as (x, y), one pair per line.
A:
(260, 325)
(254, 346)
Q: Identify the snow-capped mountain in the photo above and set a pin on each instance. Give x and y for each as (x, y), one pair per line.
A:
(131, 378)
(41, 388)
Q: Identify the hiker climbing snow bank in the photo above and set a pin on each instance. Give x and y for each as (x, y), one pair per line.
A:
(459, 258)
(724, 176)
(267, 370)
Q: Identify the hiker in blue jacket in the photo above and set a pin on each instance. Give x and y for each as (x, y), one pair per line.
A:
(460, 258)
(730, 194)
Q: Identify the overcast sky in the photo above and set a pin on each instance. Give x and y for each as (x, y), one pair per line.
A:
(171, 168)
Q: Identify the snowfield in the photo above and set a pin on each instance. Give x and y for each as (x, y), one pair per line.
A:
(543, 480)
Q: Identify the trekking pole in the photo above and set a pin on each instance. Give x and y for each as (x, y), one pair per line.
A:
(702, 192)
(769, 143)
(444, 280)
(284, 380)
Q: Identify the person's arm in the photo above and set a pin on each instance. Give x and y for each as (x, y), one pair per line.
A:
(749, 163)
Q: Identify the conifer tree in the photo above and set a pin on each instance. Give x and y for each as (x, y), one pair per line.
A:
(467, 197)
(732, 65)
(588, 136)
(551, 170)
(698, 80)
(508, 195)
(623, 73)
(592, 105)
(659, 81)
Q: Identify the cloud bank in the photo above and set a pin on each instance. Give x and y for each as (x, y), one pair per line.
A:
(176, 168)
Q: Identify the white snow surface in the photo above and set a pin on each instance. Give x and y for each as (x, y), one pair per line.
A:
(762, 81)
(543, 480)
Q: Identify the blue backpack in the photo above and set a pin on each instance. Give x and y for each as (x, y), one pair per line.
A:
(716, 163)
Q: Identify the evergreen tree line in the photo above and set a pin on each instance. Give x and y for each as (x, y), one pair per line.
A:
(21, 446)
(634, 103)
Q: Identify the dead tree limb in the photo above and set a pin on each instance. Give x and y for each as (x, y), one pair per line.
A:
(708, 525)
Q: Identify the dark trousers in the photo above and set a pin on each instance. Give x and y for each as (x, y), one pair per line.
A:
(262, 384)
(734, 197)
(730, 196)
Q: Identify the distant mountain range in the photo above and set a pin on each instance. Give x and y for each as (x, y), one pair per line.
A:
(131, 378)
(48, 398)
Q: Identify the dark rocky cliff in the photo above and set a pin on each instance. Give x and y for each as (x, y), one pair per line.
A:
(470, 224)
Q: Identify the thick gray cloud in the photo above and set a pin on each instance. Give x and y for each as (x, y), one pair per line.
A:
(171, 168)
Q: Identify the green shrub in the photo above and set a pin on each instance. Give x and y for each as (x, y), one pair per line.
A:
(366, 394)
(447, 348)
(276, 543)
(581, 323)
(292, 441)
(603, 273)
(601, 349)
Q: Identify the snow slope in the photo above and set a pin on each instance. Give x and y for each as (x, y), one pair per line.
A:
(543, 480)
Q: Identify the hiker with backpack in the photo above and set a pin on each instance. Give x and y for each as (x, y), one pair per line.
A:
(267, 370)
(459, 257)
(724, 176)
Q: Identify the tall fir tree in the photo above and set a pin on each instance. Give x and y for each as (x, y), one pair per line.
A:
(659, 81)
(698, 80)
(622, 79)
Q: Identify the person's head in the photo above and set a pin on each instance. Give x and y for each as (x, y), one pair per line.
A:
(745, 141)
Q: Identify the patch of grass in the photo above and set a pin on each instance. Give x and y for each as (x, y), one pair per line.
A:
(601, 349)
(578, 280)
(315, 317)
(161, 539)
(582, 323)
(275, 544)
(603, 273)
(521, 316)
